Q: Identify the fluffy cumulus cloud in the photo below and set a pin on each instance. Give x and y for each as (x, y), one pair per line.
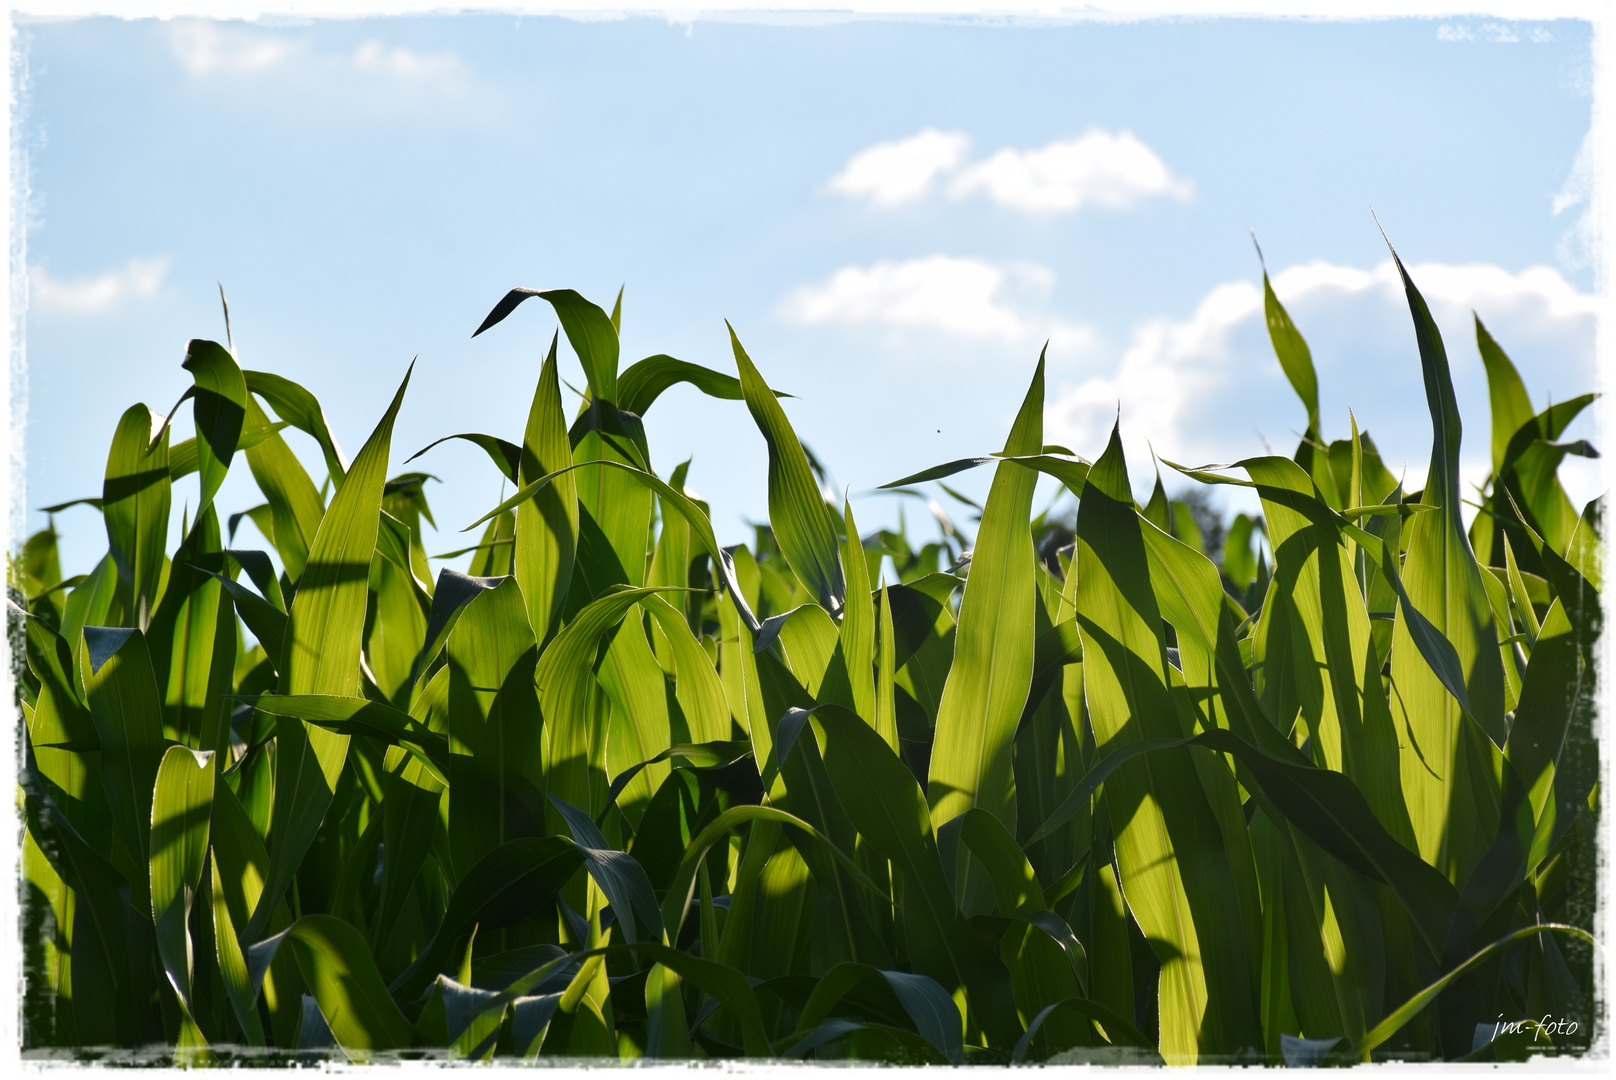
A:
(1097, 168)
(947, 293)
(892, 173)
(1207, 388)
(138, 279)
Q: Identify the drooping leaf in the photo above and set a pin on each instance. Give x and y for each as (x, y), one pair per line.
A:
(797, 510)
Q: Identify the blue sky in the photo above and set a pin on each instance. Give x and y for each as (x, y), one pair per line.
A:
(895, 215)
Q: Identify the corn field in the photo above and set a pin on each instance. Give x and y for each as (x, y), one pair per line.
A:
(1078, 793)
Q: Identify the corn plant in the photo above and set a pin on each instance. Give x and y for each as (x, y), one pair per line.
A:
(622, 792)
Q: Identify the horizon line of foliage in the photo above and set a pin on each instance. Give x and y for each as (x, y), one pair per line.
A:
(1071, 790)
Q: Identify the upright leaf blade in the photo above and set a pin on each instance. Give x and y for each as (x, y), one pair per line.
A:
(322, 649)
(135, 500)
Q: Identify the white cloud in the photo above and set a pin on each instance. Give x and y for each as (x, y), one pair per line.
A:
(900, 171)
(204, 48)
(138, 280)
(373, 56)
(1113, 171)
(1196, 389)
(207, 48)
(1575, 249)
(953, 294)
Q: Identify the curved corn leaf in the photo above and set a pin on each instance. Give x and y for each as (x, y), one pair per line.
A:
(644, 381)
(701, 527)
(302, 410)
(697, 687)
(929, 1008)
(589, 330)
(1120, 1031)
(295, 504)
(343, 979)
(506, 455)
(802, 523)
(220, 408)
(350, 716)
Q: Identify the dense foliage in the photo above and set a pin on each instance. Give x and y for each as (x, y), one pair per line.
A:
(621, 791)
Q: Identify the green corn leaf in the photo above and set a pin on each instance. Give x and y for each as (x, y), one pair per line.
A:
(886, 805)
(935, 1016)
(506, 455)
(1453, 804)
(321, 654)
(564, 679)
(267, 623)
(1164, 823)
(1400, 1016)
(701, 527)
(1295, 359)
(546, 525)
(295, 505)
(1120, 1031)
(116, 671)
(643, 382)
(886, 705)
(135, 500)
(676, 901)
(797, 510)
(638, 730)
(302, 410)
(219, 405)
(507, 884)
(697, 687)
(493, 772)
(410, 811)
(193, 643)
(589, 330)
(343, 979)
(619, 876)
(987, 685)
(349, 716)
(1511, 407)
(232, 963)
(182, 806)
(857, 637)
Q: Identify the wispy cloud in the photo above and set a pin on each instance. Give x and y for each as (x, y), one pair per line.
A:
(207, 48)
(1575, 249)
(1096, 168)
(892, 173)
(947, 293)
(139, 279)
(1099, 168)
(1196, 388)
(374, 56)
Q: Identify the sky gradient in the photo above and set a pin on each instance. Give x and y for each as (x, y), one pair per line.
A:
(895, 215)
